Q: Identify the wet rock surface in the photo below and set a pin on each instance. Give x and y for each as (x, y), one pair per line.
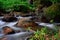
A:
(7, 30)
(9, 18)
(27, 14)
(26, 23)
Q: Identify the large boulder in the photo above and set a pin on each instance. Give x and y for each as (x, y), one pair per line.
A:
(26, 23)
(7, 30)
(9, 18)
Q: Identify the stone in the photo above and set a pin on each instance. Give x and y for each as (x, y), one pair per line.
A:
(9, 18)
(26, 23)
(7, 30)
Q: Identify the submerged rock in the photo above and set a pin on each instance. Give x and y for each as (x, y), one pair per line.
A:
(9, 18)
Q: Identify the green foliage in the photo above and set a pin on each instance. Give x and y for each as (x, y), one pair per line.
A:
(13, 4)
(23, 8)
(36, 2)
(52, 11)
(46, 3)
(55, 1)
(40, 34)
(1, 5)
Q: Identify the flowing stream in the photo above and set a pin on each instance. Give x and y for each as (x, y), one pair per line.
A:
(23, 34)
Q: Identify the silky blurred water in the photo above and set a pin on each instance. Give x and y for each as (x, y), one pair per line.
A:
(17, 36)
(23, 34)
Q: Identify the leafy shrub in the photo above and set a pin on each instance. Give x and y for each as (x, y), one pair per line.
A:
(52, 11)
(24, 8)
(55, 1)
(13, 4)
(46, 3)
(1, 5)
(45, 33)
(21, 8)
